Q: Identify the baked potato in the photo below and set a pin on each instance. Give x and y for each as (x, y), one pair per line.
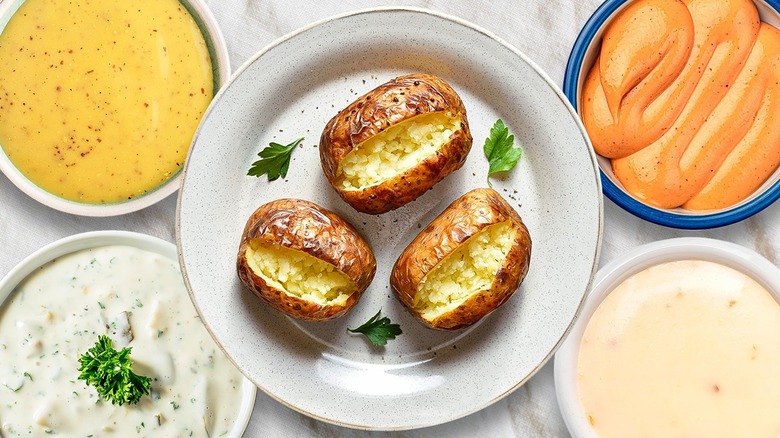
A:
(304, 260)
(465, 264)
(395, 142)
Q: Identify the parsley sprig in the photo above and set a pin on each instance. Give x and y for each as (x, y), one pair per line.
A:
(500, 150)
(378, 330)
(274, 160)
(111, 373)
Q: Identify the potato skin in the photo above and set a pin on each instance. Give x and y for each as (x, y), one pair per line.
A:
(465, 217)
(307, 227)
(387, 105)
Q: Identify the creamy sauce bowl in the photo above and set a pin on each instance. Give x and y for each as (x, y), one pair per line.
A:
(100, 125)
(584, 54)
(676, 333)
(127, 286)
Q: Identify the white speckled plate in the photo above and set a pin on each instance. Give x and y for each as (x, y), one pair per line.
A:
(291, 89)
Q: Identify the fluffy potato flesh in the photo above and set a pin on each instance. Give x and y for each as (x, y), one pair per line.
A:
(468, 270)
(299, 274)
(396, 150)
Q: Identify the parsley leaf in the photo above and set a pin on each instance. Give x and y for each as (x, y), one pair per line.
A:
(111, 373)
(378, 330)
(499, 149)
(274, 160)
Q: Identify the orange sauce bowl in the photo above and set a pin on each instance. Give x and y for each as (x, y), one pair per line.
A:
(665, 160)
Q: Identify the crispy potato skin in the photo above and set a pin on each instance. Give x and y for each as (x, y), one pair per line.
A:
(465, 217)
(307, 227)
(387, 105)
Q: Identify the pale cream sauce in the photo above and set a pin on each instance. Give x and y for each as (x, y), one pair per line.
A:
(683, 349)
(57, 314)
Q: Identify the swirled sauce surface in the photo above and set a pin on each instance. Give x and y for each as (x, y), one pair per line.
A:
(683, 349)
(99, 100)
(138, 299)
(685, 99)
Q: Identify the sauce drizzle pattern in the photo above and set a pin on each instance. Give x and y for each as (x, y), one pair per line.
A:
(703, 134)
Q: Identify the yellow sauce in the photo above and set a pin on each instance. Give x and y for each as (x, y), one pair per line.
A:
(99, 100)
(685, 100)
(683, 349)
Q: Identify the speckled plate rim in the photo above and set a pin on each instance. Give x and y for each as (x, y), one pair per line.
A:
(95, 239)
(559, 94)
(669, 218)
(618, 270)
(220, 61)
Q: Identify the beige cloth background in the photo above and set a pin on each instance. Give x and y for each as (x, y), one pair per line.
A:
(545, 30)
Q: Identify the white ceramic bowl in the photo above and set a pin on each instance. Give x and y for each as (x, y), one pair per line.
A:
(687, 248)
(96, 239)
(215, 43)
(583, 55)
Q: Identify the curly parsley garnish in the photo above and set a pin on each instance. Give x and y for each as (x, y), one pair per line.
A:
(378, 330)
(500, 150)
(111, 373)
(274, 160)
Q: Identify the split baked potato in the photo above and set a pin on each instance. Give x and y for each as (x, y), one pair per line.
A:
(465, 264)
(394, 143)
(304, 260)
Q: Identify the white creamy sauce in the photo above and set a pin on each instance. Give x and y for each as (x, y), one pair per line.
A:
(57, 314)
(688, 348)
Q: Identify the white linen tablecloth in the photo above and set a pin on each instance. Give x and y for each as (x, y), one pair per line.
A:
(545, 30)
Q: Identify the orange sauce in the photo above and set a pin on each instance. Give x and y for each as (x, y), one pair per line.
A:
(685, 99)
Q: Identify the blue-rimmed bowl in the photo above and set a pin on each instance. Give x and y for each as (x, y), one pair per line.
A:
(220, 65)
(581, 59)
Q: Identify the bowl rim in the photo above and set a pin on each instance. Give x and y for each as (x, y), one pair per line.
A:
(220, 62)
(732, 255)
(95, 239)
(617, 195)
